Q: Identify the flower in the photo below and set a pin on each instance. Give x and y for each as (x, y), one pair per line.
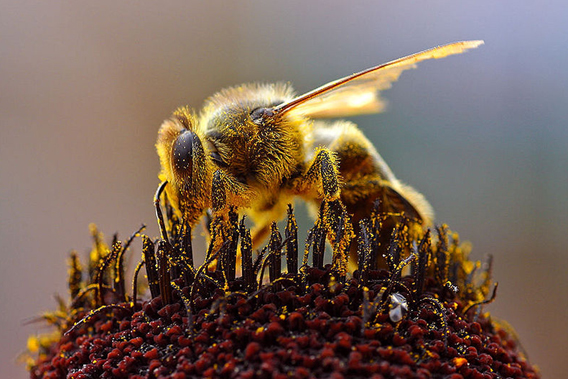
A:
(415, 312)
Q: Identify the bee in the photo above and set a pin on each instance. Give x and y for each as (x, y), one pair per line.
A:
(257, 147)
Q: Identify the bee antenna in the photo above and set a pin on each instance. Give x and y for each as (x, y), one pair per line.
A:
(159, 214)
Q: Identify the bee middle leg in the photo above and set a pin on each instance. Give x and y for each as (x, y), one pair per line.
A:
(321, 180)
(318, 181)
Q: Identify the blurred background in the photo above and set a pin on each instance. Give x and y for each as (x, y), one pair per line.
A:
(84, 87)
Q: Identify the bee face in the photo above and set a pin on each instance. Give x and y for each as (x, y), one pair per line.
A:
(185, 164)
(256, 147)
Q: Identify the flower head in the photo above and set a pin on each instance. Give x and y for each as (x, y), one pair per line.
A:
(415, 312)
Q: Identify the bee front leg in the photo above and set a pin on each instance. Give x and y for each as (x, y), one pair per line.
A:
(218, 225)
(218, 192)
(226, 193)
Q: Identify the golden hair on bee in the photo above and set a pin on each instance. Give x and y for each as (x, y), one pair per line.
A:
(257, 147)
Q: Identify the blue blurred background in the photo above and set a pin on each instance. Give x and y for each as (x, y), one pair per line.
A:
(483, 135)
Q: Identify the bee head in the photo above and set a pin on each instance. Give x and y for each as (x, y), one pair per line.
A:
(185, 164)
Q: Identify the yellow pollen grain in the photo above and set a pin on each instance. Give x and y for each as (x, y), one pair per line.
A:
(458, 361)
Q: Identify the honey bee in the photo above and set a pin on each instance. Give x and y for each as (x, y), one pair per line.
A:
(256, 147)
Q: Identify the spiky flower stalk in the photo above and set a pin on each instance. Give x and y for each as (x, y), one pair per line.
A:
(415, 312)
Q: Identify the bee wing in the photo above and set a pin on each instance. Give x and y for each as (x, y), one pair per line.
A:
(359, 93)
(394, 202)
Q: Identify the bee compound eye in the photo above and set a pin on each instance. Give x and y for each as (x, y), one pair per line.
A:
(182, 152)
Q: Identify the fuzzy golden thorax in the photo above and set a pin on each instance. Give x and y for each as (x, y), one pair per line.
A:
(261, 153)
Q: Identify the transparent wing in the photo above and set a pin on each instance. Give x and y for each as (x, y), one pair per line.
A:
(359, 93)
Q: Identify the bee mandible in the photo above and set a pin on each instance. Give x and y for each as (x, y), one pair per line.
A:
(256, 147)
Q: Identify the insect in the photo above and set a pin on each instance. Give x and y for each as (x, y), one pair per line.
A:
(257, 147)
